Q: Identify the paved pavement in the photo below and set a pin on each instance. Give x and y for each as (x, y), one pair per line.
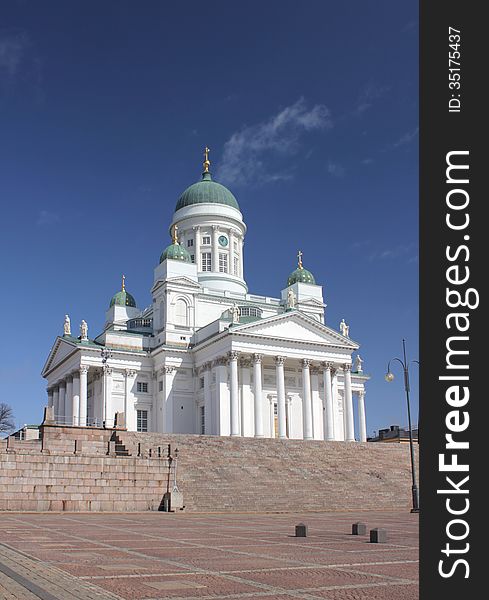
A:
(149, 556)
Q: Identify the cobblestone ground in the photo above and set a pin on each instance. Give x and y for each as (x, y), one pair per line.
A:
(147, 556)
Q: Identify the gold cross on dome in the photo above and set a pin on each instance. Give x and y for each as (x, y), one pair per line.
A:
(123, 287)
(299, 257)
(207, 162)
(174, 235)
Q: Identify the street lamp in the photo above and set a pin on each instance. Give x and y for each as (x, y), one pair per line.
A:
(389, 377)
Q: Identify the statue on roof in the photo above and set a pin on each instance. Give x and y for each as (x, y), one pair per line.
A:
(291, 299)
(67, 326)
(84, 331)
(235, 312)
(344, 328)
(358, 364)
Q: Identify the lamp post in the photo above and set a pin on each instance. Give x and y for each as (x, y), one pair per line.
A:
(389, 376)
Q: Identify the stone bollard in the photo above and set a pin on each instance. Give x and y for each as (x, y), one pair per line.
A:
(378, 536)
(111, 451)
(48, 416)
(301, 530)
(359, 529)
(78, 446)
(10, 443)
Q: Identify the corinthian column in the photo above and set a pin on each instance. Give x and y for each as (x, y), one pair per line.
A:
(349, 423)
(258, 395)
(83, 394)
(306, 399)
(362, 420)
(282, 418)
(328, 403)
(215, 248)
(233, 361)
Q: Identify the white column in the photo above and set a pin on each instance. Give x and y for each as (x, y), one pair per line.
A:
(349, 424)
(222, 409)
(61, 402)
(240, 250)
(233, 361)
(258, 395)
(215, 249)
(129, 409)
(246, 403)
(75, 403)
(282, 422)
(56, 403)
(50, 396)
(197, 244)
(207, 399)
(362, 420)
(231, 252)
(306, 400)
(83, 394)
(107, 415)
(328, 403)
(169, 377)
(69, 401)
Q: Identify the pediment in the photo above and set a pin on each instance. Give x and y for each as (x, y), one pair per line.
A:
(295, 326)
(180, 281)
(62, 348)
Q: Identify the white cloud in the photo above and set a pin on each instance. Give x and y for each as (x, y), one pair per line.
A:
(336, 169)
(45, 218)
(368, 95)
(12, 51)
(246, 151)
(406, 138)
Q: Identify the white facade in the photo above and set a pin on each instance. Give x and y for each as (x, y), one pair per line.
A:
(189, 364)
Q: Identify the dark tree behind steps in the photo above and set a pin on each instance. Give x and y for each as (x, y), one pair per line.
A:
(6, 418)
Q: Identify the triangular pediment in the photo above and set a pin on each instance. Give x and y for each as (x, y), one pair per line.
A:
(179, 281)
(62, 348)
(295, 326)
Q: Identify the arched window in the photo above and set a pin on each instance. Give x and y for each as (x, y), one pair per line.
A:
(181, 312)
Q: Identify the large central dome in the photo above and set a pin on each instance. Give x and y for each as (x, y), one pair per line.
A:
(206, 191)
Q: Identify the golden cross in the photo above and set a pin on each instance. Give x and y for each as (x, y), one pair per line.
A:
(299, 256)
(123, 283)
(207, 162)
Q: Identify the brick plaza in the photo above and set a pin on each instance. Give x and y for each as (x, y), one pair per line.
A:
(58, 556)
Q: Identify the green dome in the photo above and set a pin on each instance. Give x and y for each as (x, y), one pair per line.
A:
(123, 298)
(206, 191)
(175, 252)
(301, 275)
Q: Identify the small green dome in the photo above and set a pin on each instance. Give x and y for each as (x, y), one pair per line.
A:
(206, 191)
(123, 298)
(175, 252)
(301, 275)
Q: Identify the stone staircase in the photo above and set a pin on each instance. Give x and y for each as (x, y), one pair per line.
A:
(248, 474)
(120, 449)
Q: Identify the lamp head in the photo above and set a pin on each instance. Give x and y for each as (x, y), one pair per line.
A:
(389, 377)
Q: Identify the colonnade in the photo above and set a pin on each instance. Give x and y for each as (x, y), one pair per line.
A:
(330, 383)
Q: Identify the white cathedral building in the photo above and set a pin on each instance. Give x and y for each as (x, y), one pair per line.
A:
(208, 357)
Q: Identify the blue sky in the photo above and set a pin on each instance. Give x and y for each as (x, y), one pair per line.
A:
(311, 113)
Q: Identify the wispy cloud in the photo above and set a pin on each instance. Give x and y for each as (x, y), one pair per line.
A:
(402, 251)
(406, 138)
(19, 64)
(248, 152)
(367, 161)
(45, 218)
(336, 169)
(368, 95)
(13, 48)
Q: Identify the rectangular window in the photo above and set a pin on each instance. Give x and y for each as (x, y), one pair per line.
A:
(160, 386)
(223, 263)
(202, 420)
(190, 243)
(206, 240)
(192, 257)
(206, 261)
(142, 386)
(201, 383)
(236, 266)
(142, 424)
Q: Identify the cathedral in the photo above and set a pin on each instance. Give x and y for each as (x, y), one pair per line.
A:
(208, 357)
